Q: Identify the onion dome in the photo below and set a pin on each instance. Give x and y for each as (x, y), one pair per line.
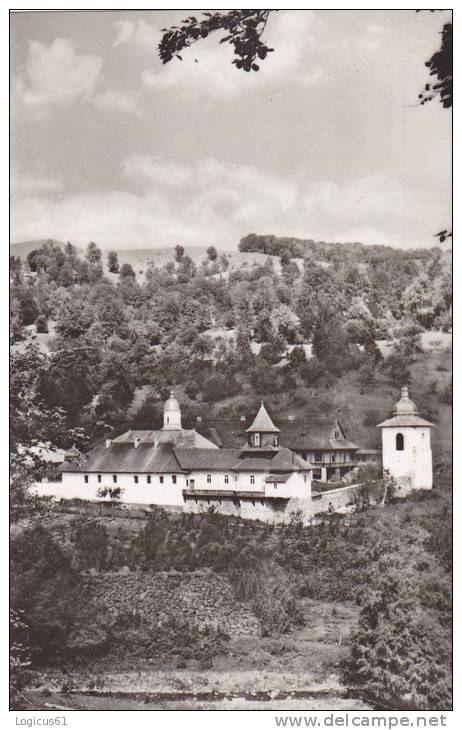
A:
(172, 405)
(405, 406)
(405, 413)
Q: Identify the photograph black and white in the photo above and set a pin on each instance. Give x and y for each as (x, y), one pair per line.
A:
(231, 361)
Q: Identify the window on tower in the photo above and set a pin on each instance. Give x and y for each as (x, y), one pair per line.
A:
(256, 439)
(399, 442)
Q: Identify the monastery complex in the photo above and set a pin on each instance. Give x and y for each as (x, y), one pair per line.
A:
(261, 471)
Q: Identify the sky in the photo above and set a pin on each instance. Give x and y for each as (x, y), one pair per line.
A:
(327, 141)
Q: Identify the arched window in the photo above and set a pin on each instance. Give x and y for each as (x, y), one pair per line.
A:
(399, 442)
(276, 439)
(256, 439)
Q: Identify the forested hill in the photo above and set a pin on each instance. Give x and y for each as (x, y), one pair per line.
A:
(290, 247)
(96, 343)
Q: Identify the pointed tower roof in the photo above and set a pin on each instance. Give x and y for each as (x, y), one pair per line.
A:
(262, 422)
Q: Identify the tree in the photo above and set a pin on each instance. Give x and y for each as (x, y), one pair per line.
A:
(243, 29)
(397, 366)
(31, 418)
(113, 262)
(273, 350)
(186, 269)
(366, 374)
(74, 319)
(41, 324)
(179, 253)
(440, 65)
(93, 253)
(126, 271)
(402, 650)
(212, 253)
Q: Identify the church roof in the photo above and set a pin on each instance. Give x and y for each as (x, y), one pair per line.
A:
(262, 422)
(186, 438)
(124, 457)
(314, 433)
(300, 434)
(207, 458)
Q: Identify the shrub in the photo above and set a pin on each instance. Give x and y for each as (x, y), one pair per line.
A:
(41, 324)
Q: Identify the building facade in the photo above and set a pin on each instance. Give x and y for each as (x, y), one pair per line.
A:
(181, 468)
(406, 446)
(245, 471)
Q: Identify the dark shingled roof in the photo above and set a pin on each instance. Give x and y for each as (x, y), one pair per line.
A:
(299, 434)
(123, 457)
(238, 460)
(187, 438)
(207, 458)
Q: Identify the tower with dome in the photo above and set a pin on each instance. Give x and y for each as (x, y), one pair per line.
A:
(406, 445)
(172, 414)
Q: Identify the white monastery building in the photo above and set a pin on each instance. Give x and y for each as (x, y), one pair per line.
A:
(259, 472)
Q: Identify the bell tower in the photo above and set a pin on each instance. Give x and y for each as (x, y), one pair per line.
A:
(262, 433)
(172, 414)
(406, 447)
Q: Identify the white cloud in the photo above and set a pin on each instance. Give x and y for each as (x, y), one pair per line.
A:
(116, 101)
(369, 42)
(57, 74)
(124, 30)
(28, 184)
(207, 67)
(207, 201)
(150, 169)
(140, 34)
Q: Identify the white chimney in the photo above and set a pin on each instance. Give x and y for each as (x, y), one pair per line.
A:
(242, 418)
(136, 442)
(198, 419)
(156, 443)
(108, 443)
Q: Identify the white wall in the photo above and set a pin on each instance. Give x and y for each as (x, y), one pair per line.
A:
(412, 467)
(73, 486)
(236, 481)
(295, 486)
